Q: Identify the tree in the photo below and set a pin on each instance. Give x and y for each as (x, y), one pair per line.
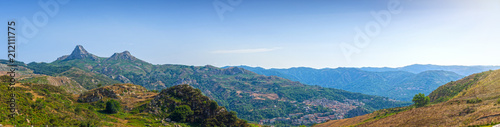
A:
(213, 107)
(112, 106)
(420, 100)
(181, 113)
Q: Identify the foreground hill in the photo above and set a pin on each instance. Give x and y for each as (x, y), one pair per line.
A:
(46, 104)
(205, 112)
(257, 98)
(399, 85)
(473, 100)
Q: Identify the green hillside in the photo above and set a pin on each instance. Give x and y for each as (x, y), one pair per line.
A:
(42, 104)
(254, 97)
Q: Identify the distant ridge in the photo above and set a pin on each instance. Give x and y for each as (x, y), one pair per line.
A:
(399, 85)
(417, 68)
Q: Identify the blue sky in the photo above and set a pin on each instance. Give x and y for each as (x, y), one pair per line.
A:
(266, 33)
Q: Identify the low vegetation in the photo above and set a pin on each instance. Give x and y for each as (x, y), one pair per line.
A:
(475, 103)
(420, 100)
(183, 103)
(45, 104)
(112, 106)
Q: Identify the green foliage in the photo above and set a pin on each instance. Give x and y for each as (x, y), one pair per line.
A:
(47, 69)
(358, 111)
(55, 108)
(452, 89)
(5, 78)
(213, 105)
(87, 79)
(181, 113)
(113, 106)
(420, 100)
(474, 101)
(204, 112)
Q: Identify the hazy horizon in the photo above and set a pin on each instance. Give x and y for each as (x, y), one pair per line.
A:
(268, 34)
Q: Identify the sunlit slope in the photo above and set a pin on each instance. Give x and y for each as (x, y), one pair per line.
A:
(476, 103)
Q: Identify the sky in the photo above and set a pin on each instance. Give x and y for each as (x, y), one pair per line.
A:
(264, 33)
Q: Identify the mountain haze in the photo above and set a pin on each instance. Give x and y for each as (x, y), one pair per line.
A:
(418, 68)
(400, 85)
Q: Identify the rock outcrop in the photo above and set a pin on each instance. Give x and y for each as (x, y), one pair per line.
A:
(79, 53)
(124, 56)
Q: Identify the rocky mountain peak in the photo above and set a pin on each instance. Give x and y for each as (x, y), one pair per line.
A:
(78, 53)
(79, 50)
(125, 55)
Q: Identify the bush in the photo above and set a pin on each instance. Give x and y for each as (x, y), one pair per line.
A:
(112, 106)
(181, 113)
(473, 101)
(78, 109)
(420, 100)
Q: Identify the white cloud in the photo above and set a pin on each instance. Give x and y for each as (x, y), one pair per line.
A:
(257, 50)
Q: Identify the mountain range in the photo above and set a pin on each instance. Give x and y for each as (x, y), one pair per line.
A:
(256, 98)
(399, 85)
(418, 68)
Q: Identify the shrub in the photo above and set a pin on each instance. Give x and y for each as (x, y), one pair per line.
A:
(181, 113)
(30, 95)
(420, 100)
(112, 106)
(78, 109)
(473, 101)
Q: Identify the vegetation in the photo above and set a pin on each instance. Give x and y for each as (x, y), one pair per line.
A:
(356, 112)
(451, 89)
(475, 104)
(47, 69)
(420, 100)
(86, 79)
(474, 101)
(42, 104)
(181, 113)
(254, 97)
(183, 103)
(45, 104)
(112, 106)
